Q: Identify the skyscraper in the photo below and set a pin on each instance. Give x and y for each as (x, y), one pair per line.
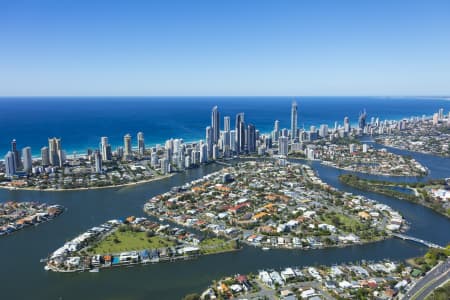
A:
(251, 138)
(27, 161)
(283, 146)
(227, 124)
(226, 135)
(127, 150)
(294, 117)
(276, 130)
(54, 146)
(240, 133)
(45, 156)
(141, 143)
(105, 148)
(346, 125)
(10, 164)
(362, 120)
(209, 141)
(215, 124)
(203, 153)
(16, 153)
(98, 162)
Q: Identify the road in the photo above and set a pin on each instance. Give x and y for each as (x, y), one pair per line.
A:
(430, 281)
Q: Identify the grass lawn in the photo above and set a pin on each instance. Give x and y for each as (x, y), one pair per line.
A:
(129, 241)
(345, 221)
(216, 245)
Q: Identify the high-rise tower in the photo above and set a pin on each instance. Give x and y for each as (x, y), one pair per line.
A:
(127, 150)
(141, 143)
(55, 151)
(215, 124)
(294, 116)
(10, 164)
(27, 161)
(240, 133)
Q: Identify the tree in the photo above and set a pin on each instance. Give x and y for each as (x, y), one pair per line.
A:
(193, 296)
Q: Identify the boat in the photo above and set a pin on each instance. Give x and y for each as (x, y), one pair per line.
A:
(266, 248)
(95, 270)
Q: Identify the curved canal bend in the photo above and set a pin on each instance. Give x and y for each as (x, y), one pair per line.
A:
(22, 275)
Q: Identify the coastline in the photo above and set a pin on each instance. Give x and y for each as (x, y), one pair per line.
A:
(89, 188)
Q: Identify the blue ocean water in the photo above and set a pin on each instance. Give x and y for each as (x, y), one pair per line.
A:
(80, 122)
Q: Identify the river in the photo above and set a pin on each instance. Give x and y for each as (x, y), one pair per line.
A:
(23, 277)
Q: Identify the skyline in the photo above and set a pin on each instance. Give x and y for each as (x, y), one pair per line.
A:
(256, 48)
(190, 117)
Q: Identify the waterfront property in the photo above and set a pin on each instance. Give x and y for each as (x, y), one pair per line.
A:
(275, 204)
(15, 216)
(425, 135)
(361, 280)
(129, 242)
(366, 159)
(434, 194)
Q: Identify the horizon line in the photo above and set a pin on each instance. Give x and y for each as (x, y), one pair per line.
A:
(224, 96)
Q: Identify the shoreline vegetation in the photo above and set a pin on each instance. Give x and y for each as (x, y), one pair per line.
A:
(417, 191)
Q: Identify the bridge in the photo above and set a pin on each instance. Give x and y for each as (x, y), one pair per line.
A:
(420, 241)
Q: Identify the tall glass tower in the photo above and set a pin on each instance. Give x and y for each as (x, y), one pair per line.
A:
(215, 124)
(294, 117)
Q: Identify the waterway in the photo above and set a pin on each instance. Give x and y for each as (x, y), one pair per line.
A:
(22, 275)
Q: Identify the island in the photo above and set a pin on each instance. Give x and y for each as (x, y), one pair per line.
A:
(434, 194)
(132, 241)
(275, 204)
(15, 216)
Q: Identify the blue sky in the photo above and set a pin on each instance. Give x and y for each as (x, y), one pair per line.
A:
(242, 47)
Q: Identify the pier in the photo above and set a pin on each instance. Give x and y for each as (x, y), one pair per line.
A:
(420, 241)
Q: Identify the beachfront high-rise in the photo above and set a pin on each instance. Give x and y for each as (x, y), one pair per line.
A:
(10, 164)
(45, 159)
(362, 119)
(127, 149)
(240, 133)
(209, 140)
(98, 162)
(276, 130)
(105, 148)
(55, 151)
(294, 119)
(27, 160)
(141, 143)
(16, 153)
(251, 138)
(346, 125)
(226, 123)
(215, 124)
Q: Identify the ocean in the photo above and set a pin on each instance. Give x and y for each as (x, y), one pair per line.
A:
(81, 121)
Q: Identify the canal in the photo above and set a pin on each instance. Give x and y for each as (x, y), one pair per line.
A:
(23, 276)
